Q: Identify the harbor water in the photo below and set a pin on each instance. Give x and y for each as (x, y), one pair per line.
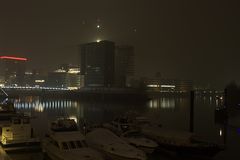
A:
(169, 112)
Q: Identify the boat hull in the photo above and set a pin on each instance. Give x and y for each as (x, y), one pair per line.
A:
(22, 147)
(111, 156)
(192, 150)
(147, 150)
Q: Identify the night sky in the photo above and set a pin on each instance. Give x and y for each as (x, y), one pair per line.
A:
(191, 39)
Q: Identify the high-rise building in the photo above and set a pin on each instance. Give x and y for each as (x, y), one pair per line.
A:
(12, 70)
(124, 65)
(97, 63)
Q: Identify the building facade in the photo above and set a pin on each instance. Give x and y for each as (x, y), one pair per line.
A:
(66, 76)
(124, 65)
(12, 70)
(97, 63)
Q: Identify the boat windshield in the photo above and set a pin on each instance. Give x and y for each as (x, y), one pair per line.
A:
(73, 145)
(133, 134)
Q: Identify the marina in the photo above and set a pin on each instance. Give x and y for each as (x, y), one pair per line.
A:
(46, 111)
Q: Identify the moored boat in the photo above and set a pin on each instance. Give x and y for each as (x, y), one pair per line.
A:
(65, 142)
(127, 131)
(18, 135)
(112, 146)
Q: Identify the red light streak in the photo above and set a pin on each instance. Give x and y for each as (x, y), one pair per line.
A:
(13, 58)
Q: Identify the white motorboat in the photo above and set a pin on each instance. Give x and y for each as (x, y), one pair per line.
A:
(112, 146)
(66, 143)
(131, 134)
(18, 135)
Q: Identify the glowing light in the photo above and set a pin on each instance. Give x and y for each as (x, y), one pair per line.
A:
(39, 80)
(60, 71)
(220, 132)
(98, 40)
(72, 88)
(98, 26)
(74, 70)
(168, 86)
(74, 118)
(13, 58)
(153, 85)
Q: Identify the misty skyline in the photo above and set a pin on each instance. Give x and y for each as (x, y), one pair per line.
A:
(190, 39)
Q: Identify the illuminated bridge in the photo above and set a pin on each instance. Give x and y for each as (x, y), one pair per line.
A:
(33, 88)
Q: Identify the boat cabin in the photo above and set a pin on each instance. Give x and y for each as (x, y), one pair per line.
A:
(18, 129)
(67, 140)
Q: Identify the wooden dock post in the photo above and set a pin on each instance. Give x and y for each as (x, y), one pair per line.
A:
(191, 127)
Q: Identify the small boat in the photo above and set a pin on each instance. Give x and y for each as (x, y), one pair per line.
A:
(120, 125)
(112, 146)
(18, 135)
(181, 142)
(65, 142)
(131, 134)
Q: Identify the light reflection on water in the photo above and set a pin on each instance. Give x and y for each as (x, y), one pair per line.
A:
(171, 112)
(164, 103)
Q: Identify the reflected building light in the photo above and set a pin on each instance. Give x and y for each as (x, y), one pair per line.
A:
(217, 102)
(167, 103)
(150, 104)
(75, 104)
(65, 103)
(39, 108)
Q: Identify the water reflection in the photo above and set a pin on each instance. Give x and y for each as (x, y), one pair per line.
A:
(171, 112)
(164, 103)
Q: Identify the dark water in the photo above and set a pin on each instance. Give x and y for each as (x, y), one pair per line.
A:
(168, 111)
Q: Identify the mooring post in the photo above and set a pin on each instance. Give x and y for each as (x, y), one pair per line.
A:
(191, 127)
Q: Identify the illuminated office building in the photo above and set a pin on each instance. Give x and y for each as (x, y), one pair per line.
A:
(12, 70)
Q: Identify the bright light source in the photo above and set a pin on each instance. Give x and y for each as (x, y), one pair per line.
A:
(60, 71)
(98, 26)
(98, 40)
(72, 88)
(220, 132)
(153, 85)
(39, 80)
(74, 118)
(168, 86)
